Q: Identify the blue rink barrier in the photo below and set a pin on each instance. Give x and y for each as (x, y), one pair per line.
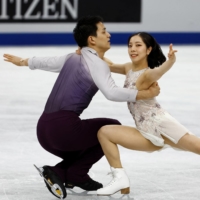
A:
(35, 39)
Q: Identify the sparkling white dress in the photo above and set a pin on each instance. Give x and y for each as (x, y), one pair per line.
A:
(150, 118)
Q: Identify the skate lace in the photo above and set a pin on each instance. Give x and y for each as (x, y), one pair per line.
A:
(111, 173)
(113, 180)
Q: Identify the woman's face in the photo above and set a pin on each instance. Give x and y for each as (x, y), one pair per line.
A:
(137, 49)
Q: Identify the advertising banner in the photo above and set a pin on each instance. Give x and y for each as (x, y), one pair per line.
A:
(51, 22)
(64, 11)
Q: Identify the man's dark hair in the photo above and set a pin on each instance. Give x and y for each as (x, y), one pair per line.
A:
(85, 27)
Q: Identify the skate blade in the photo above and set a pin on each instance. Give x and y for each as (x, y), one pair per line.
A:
(55, 188)
(39, 170)
(41, 174)
(123, 191)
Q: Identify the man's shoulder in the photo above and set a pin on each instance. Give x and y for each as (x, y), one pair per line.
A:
(73, 57)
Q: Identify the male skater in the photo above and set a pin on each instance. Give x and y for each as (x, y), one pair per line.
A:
(60, 129)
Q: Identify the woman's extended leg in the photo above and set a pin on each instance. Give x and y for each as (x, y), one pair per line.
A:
(131, 138)
(187, 142)
(128, 137)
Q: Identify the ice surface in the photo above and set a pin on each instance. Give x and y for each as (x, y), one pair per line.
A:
(165, 175)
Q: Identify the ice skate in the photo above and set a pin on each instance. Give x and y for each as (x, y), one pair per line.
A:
(52, 181)
(120, 182)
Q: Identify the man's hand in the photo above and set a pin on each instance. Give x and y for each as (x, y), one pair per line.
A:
(153, 91)
(15, 60)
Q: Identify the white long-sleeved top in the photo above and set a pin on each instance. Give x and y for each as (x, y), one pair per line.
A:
(75, 71)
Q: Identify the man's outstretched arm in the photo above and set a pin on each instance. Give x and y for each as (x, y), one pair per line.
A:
(53, 64)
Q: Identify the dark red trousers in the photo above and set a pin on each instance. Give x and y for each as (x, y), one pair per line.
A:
(74, 140)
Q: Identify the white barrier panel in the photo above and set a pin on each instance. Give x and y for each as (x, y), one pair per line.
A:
(167, 20)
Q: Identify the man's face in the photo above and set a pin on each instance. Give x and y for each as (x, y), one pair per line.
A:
(102, 40)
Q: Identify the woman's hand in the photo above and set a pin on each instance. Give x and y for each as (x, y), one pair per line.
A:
(171, 54)
(15, 60)
(78, 51)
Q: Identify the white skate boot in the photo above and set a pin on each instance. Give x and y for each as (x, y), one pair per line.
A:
(119, 182)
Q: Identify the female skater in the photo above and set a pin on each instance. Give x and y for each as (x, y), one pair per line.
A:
(152, 121)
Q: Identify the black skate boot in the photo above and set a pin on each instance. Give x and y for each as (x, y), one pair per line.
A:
(53, 182)
(89, 185)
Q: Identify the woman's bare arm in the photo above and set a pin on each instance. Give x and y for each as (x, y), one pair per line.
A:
(152, 75)
(118, 68)
(150, 92)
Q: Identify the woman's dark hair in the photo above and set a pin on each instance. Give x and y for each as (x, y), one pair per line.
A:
(156, 56)
(85, 27)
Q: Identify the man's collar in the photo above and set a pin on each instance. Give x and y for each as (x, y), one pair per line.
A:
(91, 50)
